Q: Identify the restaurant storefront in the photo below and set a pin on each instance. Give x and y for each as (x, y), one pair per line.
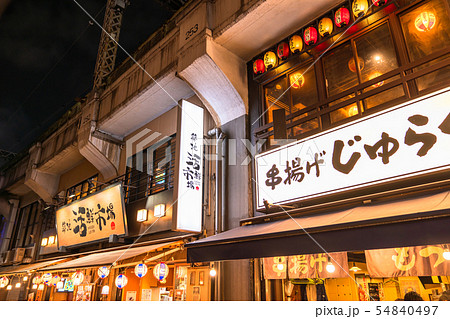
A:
(351, 190)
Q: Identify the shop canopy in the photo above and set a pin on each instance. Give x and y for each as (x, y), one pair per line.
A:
(11, 270)
(412, 222)
(107, 258)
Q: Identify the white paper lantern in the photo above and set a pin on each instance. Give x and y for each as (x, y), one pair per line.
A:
(59, 285)
(4, 281)
(161, 271)
(78, 278)
(46, 278)
(55, 280)
(105, 290)
(36, 280)
(140, 270)
(41, 287)
(121, 281)
(103, 272)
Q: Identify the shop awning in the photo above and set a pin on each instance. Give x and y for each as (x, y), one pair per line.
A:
(10, 270)
(107, 258)
(418, 221)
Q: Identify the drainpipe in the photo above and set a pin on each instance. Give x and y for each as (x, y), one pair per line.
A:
(219, 213)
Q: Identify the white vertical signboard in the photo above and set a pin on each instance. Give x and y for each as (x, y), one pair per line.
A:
(190, 174)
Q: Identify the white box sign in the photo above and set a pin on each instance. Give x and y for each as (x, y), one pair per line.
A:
(408, 140)
(190, 175)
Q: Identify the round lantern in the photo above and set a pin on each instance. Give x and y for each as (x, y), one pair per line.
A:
(297, 80)
(4, 281)
(36, 280)
(379, 2)
(325, 27)
(46, 278)
(59, 285)
(103, 272)
(258, 66)
(55, 280)
(161, 271)
(283, 51)
(78, 278)
(360, 7)
(121, 281)
(295, 43)
(310, 35)
(375, 75)
(140, 270)
(425, 21)
(342, 17)
(352, 67)
(270, 60)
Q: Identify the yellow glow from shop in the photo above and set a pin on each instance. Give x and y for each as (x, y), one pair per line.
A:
(44, 242)
(141, 215)
(51, 240)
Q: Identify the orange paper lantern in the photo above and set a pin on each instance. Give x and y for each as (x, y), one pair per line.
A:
(295, 43)
(297, 80)
(325, 27)
(270, 60)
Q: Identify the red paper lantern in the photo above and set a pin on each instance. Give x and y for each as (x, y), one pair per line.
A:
(379, 2)
(341, 17)
(310, 35)
(258, 66)
(283, 50)
(325, 27)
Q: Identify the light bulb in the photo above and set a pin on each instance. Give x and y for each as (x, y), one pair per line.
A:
(330, 268)
(25, 278)
(212, 272)
(34, 286)
(9, 287)
(18, 285)
(280, 266)
(446, 255)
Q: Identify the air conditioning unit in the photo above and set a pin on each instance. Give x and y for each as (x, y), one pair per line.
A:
(29, 254)
(19, 254)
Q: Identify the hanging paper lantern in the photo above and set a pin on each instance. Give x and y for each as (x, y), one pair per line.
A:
(55, 280)
(46, 278)
(360, 7)
(352, 67)
(379, 2)
(325, 27)
(161, 271)
(425, 21)
(373, 76)
(342, 17)
(283, 51)
(105, 290)
(36, 280)
(270, 60)
(140, 270)
(103, 272)
(121, 281)
(34, 286)
(78, 278)
(259, 67)
(4, 281)
(295, 43)
(310, 35)
(297, 80)
(59, 285)
(41, 287)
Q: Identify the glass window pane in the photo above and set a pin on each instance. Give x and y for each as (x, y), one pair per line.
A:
(343, 113)
(340, 69)
(376, 49)
(277, 97)
(385, 96)
(426, 28)
(303, 88)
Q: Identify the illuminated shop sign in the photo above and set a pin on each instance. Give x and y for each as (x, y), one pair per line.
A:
(409, 140)
(190, 179)
(92, 218)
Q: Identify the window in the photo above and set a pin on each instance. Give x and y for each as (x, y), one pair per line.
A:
(150, 171)
(82, 189)
(26, 226)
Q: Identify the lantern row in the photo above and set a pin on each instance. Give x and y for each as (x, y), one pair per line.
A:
(310, 35)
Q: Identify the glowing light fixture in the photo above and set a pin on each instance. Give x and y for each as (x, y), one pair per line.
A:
(9, 287)
(446, 253)
(425, 21)
(121, 281)
(379, 2)
(161, 271)
(310, 35)
(25, 278)
(295, 43)
(259, 67)
(46, 278)
(18, 285)
(44, 242)
(105, 290)
(297, 80)
(140, 270)
(34, 286)
(51, 240)
(41, 287)
(341, 17)
(352, 67)
(325, 27)
(59, 285)
(141, 215)
(103, 272)
(330, 268)
(159, 210)
(355, 268)
(360, 7)
(375, 75)
(270, 60)
(212, 272)
(283, 50)
(78, 278)
(4, 281)
(280, 266)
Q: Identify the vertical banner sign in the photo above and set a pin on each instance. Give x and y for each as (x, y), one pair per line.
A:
(92, 218)
(408, 262)
(190, 174)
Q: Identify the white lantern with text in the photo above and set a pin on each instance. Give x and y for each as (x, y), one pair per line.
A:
(140, 270)
(121, 281)
(103, 272)
(161, 271)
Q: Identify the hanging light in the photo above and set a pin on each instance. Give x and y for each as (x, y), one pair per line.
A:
(352, 67)
(330, 267)
(46, 278)
(18, 285)
(141, 215)
(360, 7)
(295, 43)
(59, 285)
(283, 50)
(36, 280)
(325, 27)
(258, 66)
(78, 278)
(446, 253)
(425, 21)
(55, 280)
(34, 286)
(161, 271)
(310, 35)
(375, 75)
(297, 80)
(121, 281)
(140, 270)
(9, 287)
(25, 278)
(342, 17)
(212, 272)
(103, 272)
(355, 268)
(44, 242)
(379, 2)
(41, 287)
(270, 60)
(4, 281)
(105, 290)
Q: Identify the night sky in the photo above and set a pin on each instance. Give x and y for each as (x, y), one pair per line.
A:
(48, 51)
